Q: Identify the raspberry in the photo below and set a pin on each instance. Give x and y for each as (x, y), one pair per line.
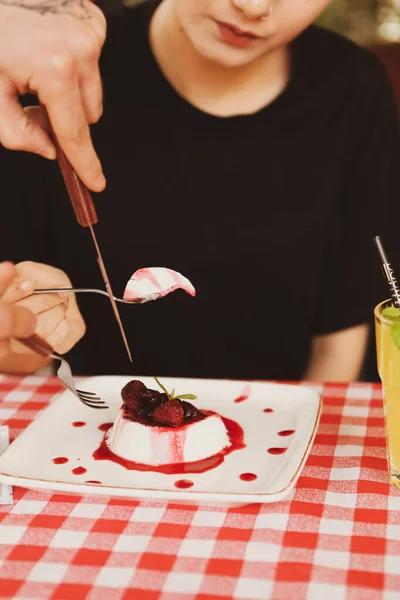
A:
(131, 394)
(190, 412)
(170, 413)
(150, 400)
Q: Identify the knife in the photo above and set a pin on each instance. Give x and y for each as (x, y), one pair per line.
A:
(86, 216)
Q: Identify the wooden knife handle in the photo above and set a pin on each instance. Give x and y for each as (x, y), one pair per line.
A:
(79, 194)
(37, 344)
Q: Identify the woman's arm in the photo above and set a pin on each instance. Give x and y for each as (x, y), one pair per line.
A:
(338, 356)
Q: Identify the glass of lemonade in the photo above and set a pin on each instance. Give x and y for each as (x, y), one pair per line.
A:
(387, 335)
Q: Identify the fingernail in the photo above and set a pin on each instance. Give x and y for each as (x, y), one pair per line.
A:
(100, 183)
(26, 285)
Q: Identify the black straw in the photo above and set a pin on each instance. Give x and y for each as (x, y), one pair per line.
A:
(388, 273)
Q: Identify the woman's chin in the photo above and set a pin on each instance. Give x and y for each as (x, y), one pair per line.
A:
(224, 56)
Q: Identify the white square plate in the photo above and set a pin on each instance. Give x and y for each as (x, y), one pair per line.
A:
(28, 462)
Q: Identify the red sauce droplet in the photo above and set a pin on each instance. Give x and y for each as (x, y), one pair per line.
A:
(241, 399)
(105, 426)
(184, 484)
(60, 460)
(93, 481)
(244, 395)
(79, 424)
(236, 436)
(286, 432)
(79, 471)
(277, 450)
(248, 476)
(268, 410)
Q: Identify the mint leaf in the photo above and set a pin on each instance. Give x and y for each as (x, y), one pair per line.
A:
(162, 387)
(391, 312)
(172, 394)
(395, 333)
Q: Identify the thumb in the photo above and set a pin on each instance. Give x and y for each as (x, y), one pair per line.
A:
(20, 129)
(17, 289)
(16, 322)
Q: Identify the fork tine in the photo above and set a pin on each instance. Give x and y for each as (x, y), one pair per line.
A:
(95, 399)
(90, 398)
(90, 401)
(92, 405)
(86, 393)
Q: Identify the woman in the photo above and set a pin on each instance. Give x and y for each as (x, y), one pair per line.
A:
(248, 150)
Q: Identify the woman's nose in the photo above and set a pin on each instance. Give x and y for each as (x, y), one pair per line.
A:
(254, 9)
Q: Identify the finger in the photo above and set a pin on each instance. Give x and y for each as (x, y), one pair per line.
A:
(19, 288)
(17, 130)
(46, 323)
(91, 92)
(7, 272)
(4, 348)
(15, 321)
(98, 23)
(89, 79)
(40, 304)
(60, 339)
(67, 116)
(43, 275)
(77, 326)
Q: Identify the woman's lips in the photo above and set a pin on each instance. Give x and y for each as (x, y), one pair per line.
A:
(236, 37)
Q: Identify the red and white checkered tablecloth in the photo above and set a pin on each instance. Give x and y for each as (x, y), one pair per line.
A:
(336, 537)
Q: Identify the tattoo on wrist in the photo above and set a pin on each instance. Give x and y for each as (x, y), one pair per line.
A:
(74, 8)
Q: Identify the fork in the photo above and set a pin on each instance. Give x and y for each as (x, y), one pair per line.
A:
(77, 290)
(64, 373)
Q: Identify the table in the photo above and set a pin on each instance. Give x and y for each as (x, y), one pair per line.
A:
(337, 537)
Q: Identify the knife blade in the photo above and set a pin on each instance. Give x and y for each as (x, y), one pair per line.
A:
(110, 292)
(86, 216)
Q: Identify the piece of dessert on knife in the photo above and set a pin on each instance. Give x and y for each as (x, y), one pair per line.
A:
(158, 428)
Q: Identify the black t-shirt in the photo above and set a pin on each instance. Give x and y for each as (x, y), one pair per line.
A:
(271, 216)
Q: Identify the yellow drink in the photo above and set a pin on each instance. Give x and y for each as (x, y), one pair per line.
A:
(388, 357)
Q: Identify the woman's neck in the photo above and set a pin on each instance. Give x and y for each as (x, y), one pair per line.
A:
(213, 88)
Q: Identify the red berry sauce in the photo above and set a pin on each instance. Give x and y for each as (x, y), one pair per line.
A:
(268, 410)
(277, 450)
(286, 432)
(151, 407)
(93, 481)
(105, 426)
(60, 460)
(236, 436)
(244, 395)
(184, 484)
(79, 470)
(79, 424)
(248, 476)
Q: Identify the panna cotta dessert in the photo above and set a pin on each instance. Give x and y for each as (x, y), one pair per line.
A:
(157, 428)
(155, 282)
